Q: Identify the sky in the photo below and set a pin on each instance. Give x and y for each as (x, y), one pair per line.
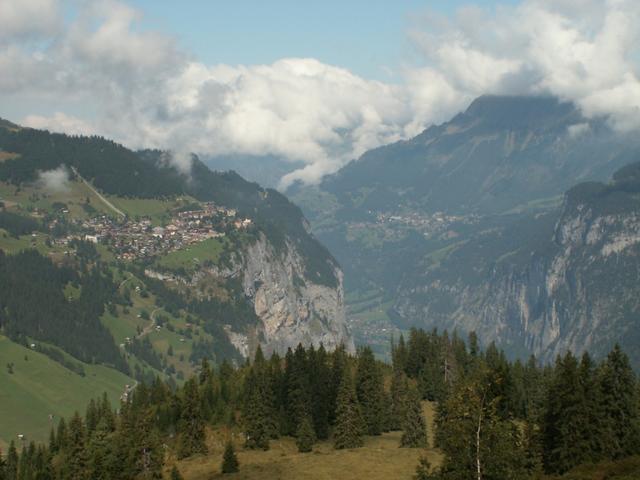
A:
(316, 83)
(366, 36)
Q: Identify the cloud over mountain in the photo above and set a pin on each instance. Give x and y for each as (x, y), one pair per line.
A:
(101, 71)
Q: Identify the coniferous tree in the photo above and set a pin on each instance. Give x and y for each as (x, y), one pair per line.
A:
(61, 435)
(53, 447)
(619, 406)
(11, 466)
(91, 417)
(399, 390)
(424, 470)
(563, 442)
(175, 474)
(74, 466)
(349, 427)
(191, 438)
(255, 415)
(298, 403)
(105, 413)
(532, 446)
(320, 377)
(229, 460)
(414, 434)
(338, 367)
(100, 453)
(305, 436)
(25, 463)
(370, 391)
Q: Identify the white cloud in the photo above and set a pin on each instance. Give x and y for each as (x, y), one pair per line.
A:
(56, 181)
(60, 123)
(28, 18)
(136, 86)
(577, 130)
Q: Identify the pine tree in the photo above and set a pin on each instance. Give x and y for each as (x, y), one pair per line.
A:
(191, 438)
(175, 474)
(91, 417)
(229, 460)
(100, 453)
(370, 391)
(399, 355)
(399, 390)
(532, 446)
(11, 467)
(74, 466)
(424, 470)
(414, 428)
(298, 402)
(255, 413)
(563, 441)
(61, 435)
(320, 376)
(25, 471)
(105, 413)
(621, 425)
(349, 427)
(305, 436)
(338, 367)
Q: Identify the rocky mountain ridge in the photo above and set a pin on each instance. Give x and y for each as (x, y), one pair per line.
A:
(574, 287)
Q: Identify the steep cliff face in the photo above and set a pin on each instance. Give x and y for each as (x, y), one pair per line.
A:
(290, 307)
(573, 285)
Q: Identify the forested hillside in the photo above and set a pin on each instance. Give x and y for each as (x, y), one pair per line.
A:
(504, 420)
(118, 259)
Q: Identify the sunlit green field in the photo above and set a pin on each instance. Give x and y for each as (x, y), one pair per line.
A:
(39, 386)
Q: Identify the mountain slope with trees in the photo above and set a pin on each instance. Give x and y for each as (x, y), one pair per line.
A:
(456, 228)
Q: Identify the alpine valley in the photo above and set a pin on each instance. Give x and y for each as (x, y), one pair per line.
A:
(518, 219)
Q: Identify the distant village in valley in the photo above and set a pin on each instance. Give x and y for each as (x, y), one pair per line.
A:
(429, 225)
(132, 239)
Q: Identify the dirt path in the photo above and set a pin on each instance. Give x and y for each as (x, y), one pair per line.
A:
(99, 195)
(149, 328)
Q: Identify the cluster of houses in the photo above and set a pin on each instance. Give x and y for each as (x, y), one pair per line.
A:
(132, 239)
(427, 224)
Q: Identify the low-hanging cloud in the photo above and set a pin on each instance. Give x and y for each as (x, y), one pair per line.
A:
(146, 92)
(55, 181)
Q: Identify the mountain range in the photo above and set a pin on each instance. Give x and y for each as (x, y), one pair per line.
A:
(492, 223)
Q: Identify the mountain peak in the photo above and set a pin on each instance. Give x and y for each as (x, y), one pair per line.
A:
(520, 111)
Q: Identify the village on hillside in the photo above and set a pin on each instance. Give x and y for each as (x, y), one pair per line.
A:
(132, 239)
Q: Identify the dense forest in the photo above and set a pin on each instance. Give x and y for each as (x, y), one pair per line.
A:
(496, 420)
(33, 306)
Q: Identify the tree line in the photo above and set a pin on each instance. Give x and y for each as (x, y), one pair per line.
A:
(495, 420)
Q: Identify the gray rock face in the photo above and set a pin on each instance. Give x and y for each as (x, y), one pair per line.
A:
(579, 290)
(292, 309)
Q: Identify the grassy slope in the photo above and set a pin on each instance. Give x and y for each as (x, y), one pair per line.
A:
(189, 257)
(379, 459)
(39, 387)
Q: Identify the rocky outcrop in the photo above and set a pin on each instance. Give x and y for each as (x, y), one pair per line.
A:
(292, 309)
(577, 290)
